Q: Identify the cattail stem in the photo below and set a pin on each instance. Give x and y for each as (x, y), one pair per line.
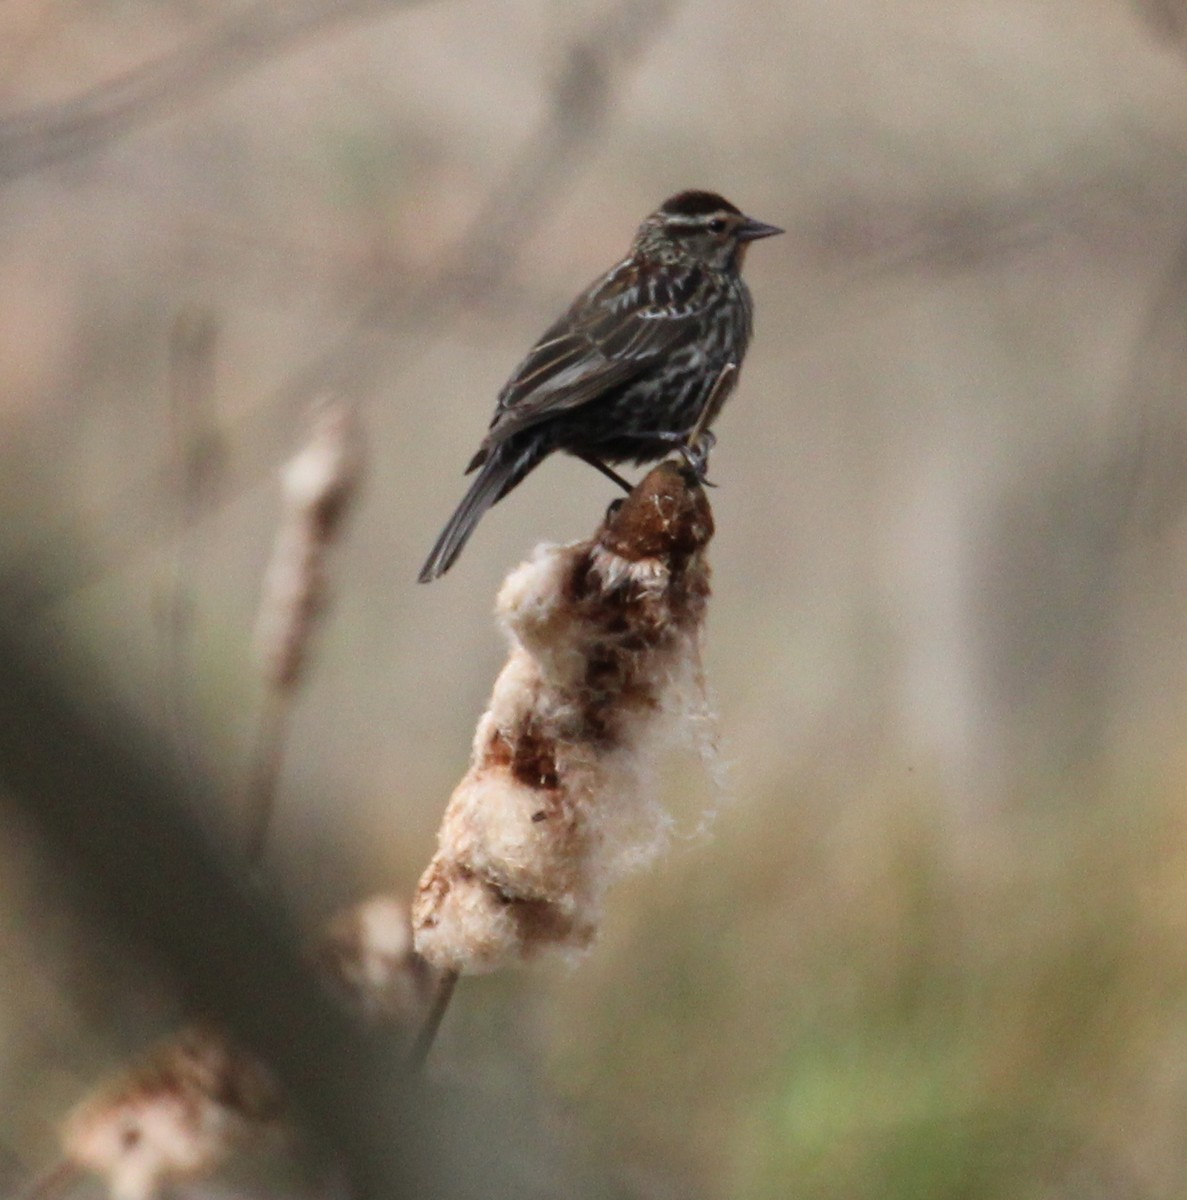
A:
(428, 1031)
(319, 487)
(263, 779)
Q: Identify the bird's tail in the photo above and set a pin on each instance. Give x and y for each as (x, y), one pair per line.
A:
(503, 469)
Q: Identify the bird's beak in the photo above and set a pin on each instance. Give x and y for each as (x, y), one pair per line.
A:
(751, 230)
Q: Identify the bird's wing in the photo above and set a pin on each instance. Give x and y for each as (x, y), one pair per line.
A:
(598, 345)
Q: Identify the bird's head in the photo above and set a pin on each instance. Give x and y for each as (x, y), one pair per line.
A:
(699, 229)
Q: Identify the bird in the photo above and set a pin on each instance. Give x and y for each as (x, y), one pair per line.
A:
(639, 365)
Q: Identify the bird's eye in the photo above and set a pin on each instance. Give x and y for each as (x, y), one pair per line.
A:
(717, 225)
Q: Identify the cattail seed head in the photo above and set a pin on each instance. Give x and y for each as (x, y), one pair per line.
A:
(319, 484)
(367, 957)
(179, 1113)
(559, 797)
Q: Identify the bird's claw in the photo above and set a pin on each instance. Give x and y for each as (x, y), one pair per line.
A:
(695, 453)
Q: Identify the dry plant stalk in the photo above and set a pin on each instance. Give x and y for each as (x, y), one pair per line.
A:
(558, 800)
(320, 483)
(178, 1114)
(367, 957)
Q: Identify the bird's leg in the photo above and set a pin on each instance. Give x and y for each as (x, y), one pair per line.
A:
(598, 465)
(712, 403)
(700, 441)
(694, 452)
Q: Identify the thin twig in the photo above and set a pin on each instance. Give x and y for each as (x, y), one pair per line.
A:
(428, 1031)
(115, 824)
(51, 133)
(486, 251)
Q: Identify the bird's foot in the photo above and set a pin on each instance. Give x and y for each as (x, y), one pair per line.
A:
(694, 449)
(695, 452)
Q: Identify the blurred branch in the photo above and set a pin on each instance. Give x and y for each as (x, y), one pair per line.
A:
(111, 817)
(486, 251)
(1166, 19)
(583, 93)
(50, 133)
(480, 260)
(863, 239)
(109, 812)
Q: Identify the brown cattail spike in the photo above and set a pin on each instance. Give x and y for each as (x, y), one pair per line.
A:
(667, 517)
(320, 483)
(559, 797)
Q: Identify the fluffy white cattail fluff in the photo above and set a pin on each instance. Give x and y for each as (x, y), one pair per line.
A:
(178, 1114)
(559, 798)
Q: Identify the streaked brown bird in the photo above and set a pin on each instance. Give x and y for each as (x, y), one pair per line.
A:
(640, 364)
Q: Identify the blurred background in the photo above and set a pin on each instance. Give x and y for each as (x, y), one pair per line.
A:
(935, 941)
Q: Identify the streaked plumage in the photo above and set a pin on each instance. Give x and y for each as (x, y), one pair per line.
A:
(625, 374)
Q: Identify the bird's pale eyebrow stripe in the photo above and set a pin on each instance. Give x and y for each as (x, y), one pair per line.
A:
(683, 225)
